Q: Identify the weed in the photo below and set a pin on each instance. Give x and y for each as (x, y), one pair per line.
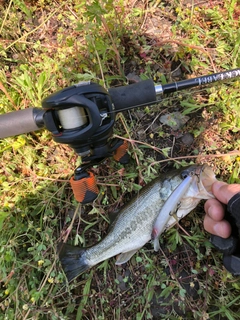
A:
(49, 45)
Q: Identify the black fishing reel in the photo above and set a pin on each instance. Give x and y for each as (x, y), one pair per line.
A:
(82, 116)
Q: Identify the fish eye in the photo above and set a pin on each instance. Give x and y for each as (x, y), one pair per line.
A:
(184, 174)
(187, 173)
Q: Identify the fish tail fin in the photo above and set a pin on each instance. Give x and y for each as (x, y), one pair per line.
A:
(72, 260)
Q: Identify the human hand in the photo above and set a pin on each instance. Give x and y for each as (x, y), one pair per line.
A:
(214, 221)
(222, 220)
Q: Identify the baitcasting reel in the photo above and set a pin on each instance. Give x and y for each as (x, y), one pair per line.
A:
(82, 116)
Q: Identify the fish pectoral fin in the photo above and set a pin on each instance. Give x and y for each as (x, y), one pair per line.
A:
(173, 213)
(125, 256)
(178, 206)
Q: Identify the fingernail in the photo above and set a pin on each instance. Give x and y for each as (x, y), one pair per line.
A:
(217, 228)
(219, 189)
(218, 184)
(210, 210)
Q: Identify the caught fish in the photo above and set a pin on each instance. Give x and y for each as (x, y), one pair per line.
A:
(135, 222)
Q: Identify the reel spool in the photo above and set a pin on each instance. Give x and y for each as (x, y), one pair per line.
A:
(80, 116)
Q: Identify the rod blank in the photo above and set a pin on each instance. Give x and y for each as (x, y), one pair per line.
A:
(199, 81)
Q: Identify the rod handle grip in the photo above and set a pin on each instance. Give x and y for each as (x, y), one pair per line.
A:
(137, 94)
(21, 121)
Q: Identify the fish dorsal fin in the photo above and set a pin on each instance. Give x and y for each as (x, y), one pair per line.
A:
(125, 256)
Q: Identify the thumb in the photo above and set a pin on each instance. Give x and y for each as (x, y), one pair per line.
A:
(224, 191)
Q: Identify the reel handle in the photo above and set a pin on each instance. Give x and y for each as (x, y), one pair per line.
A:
(85, 189)
(84, 184)
(120, 154)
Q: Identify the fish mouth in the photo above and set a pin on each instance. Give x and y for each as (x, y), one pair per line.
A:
(203, 178)
(205, 182)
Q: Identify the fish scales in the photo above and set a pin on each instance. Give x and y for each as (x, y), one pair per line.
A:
(133, 225)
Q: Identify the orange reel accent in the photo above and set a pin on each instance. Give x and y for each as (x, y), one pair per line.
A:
(85, 190)
(121, 154)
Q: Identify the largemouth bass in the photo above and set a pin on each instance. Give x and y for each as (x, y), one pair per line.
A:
(135, 222)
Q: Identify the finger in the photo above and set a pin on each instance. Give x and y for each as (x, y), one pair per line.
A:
(219, 228)
(223, 191)
(214, 209)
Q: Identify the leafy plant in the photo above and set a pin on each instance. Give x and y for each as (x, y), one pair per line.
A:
(49, 45)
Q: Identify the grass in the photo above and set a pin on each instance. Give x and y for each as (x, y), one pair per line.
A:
(48, 45)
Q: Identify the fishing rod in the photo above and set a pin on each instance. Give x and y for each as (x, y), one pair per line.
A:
(83, 116)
